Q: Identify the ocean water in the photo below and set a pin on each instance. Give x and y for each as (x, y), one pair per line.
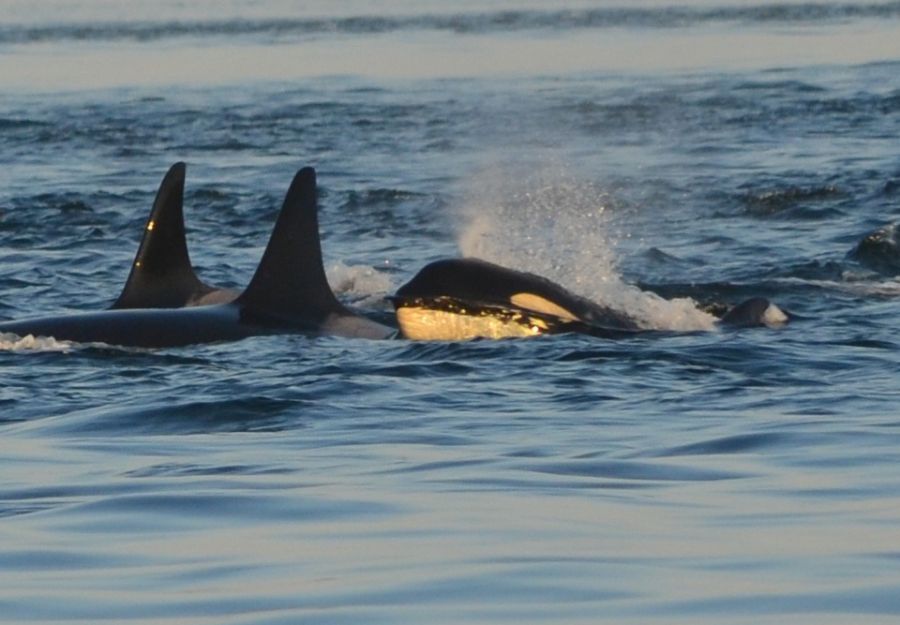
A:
(658, 156)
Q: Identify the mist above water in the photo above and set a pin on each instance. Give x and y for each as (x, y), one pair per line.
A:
(555, 224)
(361, 285)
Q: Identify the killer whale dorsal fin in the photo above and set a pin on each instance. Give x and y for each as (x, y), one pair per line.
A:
(161, 274)
(290, 282)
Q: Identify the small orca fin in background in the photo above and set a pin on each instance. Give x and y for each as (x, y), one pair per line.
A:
(161, 274)
(756, 311)
(290, 282)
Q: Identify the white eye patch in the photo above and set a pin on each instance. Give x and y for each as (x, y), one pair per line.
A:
(539, 304)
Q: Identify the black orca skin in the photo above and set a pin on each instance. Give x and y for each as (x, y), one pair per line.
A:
(162, 275)
(289, 293)
(463, 298)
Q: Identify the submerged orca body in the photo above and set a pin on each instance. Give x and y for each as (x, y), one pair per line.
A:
(465, 298)
(289, 292)
(162, 275)
(755, 312)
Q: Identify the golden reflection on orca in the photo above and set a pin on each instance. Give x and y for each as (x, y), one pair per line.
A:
(164, 303)
(468, 298)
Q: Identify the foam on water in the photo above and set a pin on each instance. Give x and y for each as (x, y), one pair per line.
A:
(360, 284)
(14, 343)
(554, 224)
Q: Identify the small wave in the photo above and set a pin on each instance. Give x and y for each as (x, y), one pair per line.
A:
(7, 124)
(464, 23)
(204, 195)
(186, 469)
(378, 198)
(737, 444)
(62, 202)
(779, 86)
(656, 255)
(260, 413)
(205, 510)
(63, 210)
(811, 270)
(792, 202)
(633, 471)
(225, 144)
(856, 287)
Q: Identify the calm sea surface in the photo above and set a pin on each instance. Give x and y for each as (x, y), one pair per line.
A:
(655, 156)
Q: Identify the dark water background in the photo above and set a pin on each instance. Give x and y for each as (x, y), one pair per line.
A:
(693, 475)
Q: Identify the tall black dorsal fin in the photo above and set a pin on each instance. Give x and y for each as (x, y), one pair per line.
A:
(161, 275)
(290, 282)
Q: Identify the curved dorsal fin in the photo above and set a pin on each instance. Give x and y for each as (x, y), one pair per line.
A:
(161, 274)
(290, 282)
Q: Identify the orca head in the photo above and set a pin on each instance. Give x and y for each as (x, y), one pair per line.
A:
(464, 298)
(162, 275)
(480, 282)
(467, 279)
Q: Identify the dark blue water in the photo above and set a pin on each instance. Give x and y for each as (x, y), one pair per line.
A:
(692, 475)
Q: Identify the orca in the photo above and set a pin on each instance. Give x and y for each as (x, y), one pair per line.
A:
(755, 312)
(461, 298)
(289, 293)
(466, 298)
(162, 275)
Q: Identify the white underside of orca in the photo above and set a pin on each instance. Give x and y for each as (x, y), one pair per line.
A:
(468, 298)
(420, 323)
